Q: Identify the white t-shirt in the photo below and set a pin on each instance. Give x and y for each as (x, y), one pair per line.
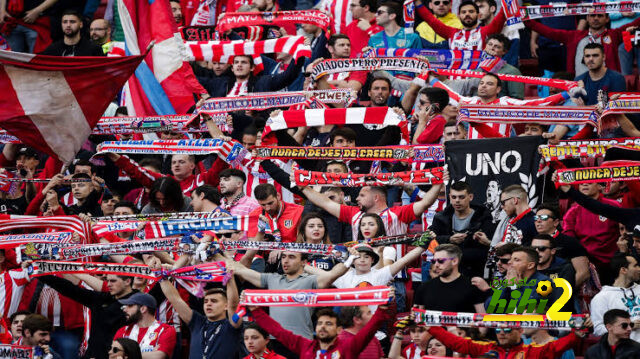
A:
(374, 278)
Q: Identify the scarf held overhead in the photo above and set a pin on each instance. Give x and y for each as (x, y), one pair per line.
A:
(229, 149)
(233, 20)
(555, 83)
(564, 9)
(548, 115)
(386, 153)
(426, 176)
(378, 295)
(369, 116)
(332, 66)
(613, 171)
(584, 149)
(439, 59)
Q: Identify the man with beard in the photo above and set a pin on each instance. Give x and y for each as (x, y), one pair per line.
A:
(327, 343)
(471, 36)
(106, 311)
(73, 44)
(451, 291)
(339, 46)
(598, 77)
(156, 339)
(176, 10)
(234, 200)
(442, 10)
(100, 32)
(282, 217)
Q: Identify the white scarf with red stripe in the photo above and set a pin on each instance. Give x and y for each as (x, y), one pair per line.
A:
(224, 51)
(375, 116)
(233, 20)
(65, 223)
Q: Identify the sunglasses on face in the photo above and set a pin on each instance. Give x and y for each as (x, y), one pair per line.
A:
(540, 248)
(438, 3)
(542, 217)
(626, 325)
(441, 260)
(503, 330)
(504, 260)
(505, 200)
(115, 350)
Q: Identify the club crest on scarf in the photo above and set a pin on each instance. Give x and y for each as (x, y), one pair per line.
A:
(305, 297)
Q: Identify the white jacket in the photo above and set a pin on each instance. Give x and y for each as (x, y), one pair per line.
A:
(616, 298)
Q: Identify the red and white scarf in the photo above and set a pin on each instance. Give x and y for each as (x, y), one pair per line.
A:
(234, 20)
(556, 83)
(613, 171)
(224, 51)
(332, 66)
(311, 248)
(13, 240)
(584, 149)
(564, 9)
(548, 115)
(65, 223)
(378, 295)
(378, 116)
(426, 176)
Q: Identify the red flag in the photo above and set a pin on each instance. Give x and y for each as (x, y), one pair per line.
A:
(52, 103)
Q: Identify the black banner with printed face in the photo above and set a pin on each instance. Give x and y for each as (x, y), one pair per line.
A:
(489, 165)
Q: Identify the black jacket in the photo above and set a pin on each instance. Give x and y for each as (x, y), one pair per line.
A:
(106, 314)
(626, 349)
(474, 254)
(85, 47)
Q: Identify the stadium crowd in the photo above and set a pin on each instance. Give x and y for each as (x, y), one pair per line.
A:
(587, 234)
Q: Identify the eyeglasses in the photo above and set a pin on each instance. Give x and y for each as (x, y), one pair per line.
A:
(441, 260)
(380, 12)
(115, 350)
(542, 217)
(505, 200)
(626, 325)
(540, 248)
(353, 5)
(438, 3)
(504, 260)
(503, 330)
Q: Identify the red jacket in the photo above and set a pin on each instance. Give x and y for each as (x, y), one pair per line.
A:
(146, 177)
(307, 348)
(474, 348)
(360, 39)
(611, 39)
(597, 234)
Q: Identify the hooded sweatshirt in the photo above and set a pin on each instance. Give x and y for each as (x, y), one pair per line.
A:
(615, 298)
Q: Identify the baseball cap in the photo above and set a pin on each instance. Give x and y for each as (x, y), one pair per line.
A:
(29, 152)
(365, 248)
(140, 299)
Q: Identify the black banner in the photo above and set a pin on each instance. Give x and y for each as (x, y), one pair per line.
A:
(489, 165)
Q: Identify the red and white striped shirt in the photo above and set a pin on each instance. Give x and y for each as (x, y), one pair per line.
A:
(412, 351)
(239, 89)
(11, 289)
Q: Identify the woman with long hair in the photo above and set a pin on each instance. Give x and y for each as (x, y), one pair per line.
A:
(256, 340)
(124, 348)
(313, 229)
(371, 226)
(166, 196)
(435, 348)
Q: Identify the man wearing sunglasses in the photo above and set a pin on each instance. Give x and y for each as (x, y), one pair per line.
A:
(554, 267)
(442, 11)
(363, 25)
(617, 339)
(547, 221)
(450, 291)
(622, 294)
(518, 226)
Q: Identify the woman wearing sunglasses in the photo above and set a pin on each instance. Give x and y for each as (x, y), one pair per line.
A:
(124, 348)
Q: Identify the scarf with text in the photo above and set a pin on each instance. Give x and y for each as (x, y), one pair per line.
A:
(224, 51)
(229, 151)
(444, 59)
(547, 115)
(233, 20)
(14, 240)
(555, 83)
(264, 101)
(387, 153)
(564, 9)
(160, 229)
(467, 320)
(409, 15)
(512, 14)
(630, 40)
(370, 117)
(378, 295)
(332, 66)
(64, 223)
(10, 351)
(391, 240)
(426, 176)
(152, 217)
(428, 153)
(613, 171)
(339, 252)
(584, 149)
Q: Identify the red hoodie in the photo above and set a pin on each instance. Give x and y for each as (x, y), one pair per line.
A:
(310, 349)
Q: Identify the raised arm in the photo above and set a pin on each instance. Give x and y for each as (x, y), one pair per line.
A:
(553, 34)
(184, 311)
(429, 198)
(437, 25)
(245, 273)
(458, 344)
(322, 201)
(364, 336)
(405, 260)
(495, 26)
(232, 302)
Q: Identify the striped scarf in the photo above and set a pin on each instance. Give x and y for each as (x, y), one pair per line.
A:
(14, 240)
(378, 116)
(548, 115)
(585, 149)
(612, 171)
(333, 66)
(146, 124)
(65, 223)
(156, 229)
(564, 9)
(340, 153)
(556, 83)
(378, 295)
(224, 51)
(443, 59)
(233, 20)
